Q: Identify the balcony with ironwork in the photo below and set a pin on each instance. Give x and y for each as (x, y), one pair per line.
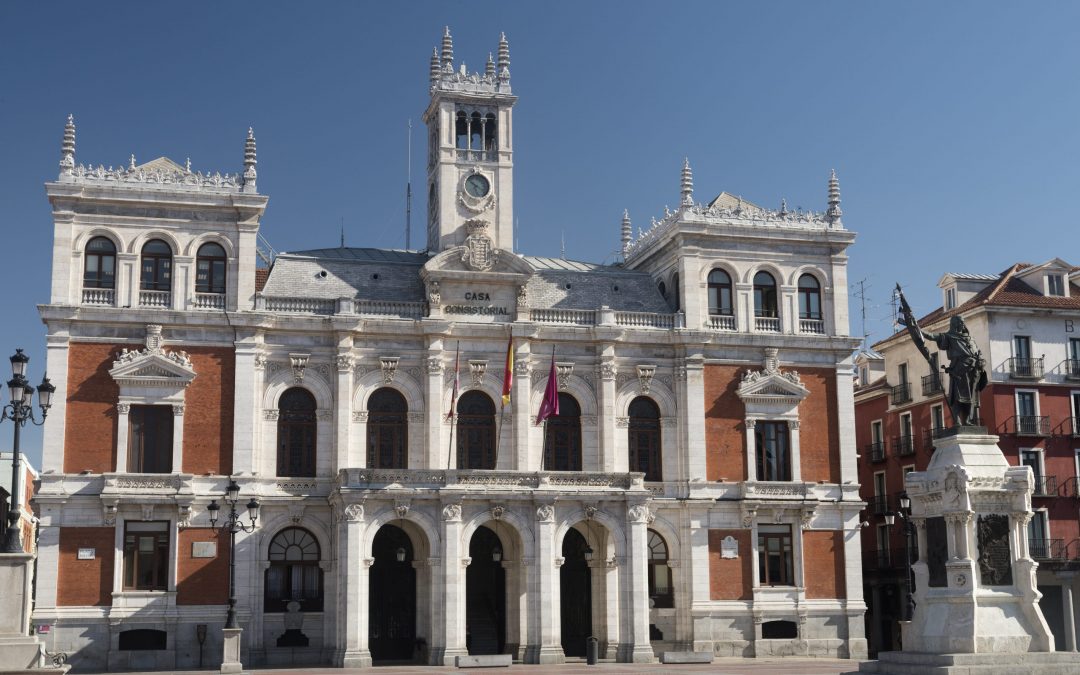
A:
(931, 384)
(1071, 368)
(903, 445)
(900, 394)
(878, 504)
(876, 451)
(1047, 549)
(1023, 368)
(1045, 486)
(1032, 425)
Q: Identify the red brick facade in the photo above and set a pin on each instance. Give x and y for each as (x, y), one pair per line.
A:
(208, 414)
(823, 564)
(731, 578)
(90, 436)
(202, 581)
(85, 582)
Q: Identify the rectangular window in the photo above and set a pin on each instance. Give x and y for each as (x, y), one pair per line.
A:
(1055, 284)
(937, 419)
(773, 451)
(1039, 536)
(905, 425)
(950, 298)
(901, 373)
(150, 434)
(1022, 347)
(775, 558)
(146, 556)
(1025, 403)
(876, 433)
(1074, 349)
(883, 552)
(879, 483)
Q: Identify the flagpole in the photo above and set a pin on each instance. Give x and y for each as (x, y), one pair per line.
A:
(453, 410)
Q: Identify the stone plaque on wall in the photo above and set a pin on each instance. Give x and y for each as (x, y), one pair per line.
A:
(937, 552)
(995, 554)
(729, 547)
(203, 549)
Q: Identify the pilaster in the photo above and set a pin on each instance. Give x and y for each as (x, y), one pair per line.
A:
(248, 383)
(635, 646)
(545, 645)
(343, 406)
(454, 588)
(352, 595)
(56, 363)
(433, 366)
(605, 404)
(522, 405)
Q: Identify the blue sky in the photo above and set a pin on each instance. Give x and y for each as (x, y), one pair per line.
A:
(953, 126)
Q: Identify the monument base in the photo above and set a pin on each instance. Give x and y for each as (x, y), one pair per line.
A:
(1028, 663)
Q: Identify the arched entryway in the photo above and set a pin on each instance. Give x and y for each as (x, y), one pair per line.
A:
(392, 597)
(575, 584)
(485, 595)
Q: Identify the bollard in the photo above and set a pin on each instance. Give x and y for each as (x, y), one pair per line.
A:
(592, 650)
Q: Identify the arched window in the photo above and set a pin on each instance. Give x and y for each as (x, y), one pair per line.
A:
(809, 297)
(675, 292)
(491, 141)
(645, 450)
(562, 437)
(662, 287)
(296, 433)
(475, 431)
(660, 585)
(461, 130)
(387, 430)
(720, 293)
(294, 572)
(210, 269)
(765, 295)
(156, 272)
(99, 268)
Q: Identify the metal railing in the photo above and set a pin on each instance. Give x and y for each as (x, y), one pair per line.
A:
(931, 384)
(932, 434)
(157, 299)
(768, 324)
(720, 322)
(904, 445)
(878, 504)
(1025, 368)
(812, 326)
(1045, 486)
(209, 301)
(876, 450)
(1047, 549)
(899, 394)
(1032, 425)
(1072, 369)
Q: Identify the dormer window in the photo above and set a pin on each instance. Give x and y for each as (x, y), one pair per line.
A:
(1055, 285)
(950, 299)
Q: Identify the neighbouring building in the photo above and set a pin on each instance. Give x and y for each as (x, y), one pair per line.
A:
(697, 489)
(27, 519)
(1026, 322)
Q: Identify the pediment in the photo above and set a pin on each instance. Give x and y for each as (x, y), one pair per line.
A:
(153, 369)
(761, 386)
(453, 263)
(161, 164)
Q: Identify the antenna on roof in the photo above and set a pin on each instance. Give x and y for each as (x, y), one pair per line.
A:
(562, 240)
(408, 190)
(861, 295)
(343, 232)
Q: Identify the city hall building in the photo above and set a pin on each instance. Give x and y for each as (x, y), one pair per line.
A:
(696, 490)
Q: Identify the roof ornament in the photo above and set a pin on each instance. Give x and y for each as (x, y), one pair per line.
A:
(187, 165)
(687, 183)
(783, 207)
(504, 58)
(627, 230)
(67, 148)
(447, 50)
(250, 174)
(435, 66)
(833, 213)
(489, 69)
(131, 166)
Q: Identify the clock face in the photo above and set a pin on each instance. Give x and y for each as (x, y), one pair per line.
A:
(477, 186)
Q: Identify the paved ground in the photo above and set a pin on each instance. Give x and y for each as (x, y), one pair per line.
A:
(718, 667)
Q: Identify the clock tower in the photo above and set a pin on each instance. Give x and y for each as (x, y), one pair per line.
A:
(470, 166)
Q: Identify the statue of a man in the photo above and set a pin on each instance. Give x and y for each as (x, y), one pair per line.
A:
(966, 369)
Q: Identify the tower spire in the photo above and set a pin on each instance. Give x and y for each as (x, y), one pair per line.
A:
(434, 65)
(627, 230)
(489, 69)
(833, 213)
(687, 183)
(249, 162)
(504, 58)
(67, 148)
(447, 50)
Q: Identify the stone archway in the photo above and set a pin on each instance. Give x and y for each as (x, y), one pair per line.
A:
(392, 593)
(485, 594)
(575, 587)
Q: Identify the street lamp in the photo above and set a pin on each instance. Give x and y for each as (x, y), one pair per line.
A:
(233, 525)
(909, 529)
(20, 411)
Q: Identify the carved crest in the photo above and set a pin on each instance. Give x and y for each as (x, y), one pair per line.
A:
(480, 254)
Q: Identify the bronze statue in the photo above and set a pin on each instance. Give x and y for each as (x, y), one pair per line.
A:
(966, 369)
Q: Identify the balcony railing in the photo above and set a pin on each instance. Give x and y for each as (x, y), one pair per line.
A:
(1047, 549)
(931, 384)
(99, 296)
(903, 445)
(1025, 368)
(571, 317)
(900, 394)
(1032, 425)
(406, 310)
(157, 299)
(876, 451)
(1045, 486)
(767, 324)
(879, 504)
(300, 305)
(1072, 369)
(477, 155)
(645, 320)
(720, 322)
(812, 326)
(209, 301)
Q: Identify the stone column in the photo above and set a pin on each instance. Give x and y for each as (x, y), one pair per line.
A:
(635, 646)
(605, 403)
(545, 640)
(454, 585)
(343, 407)
(436, 452)
(353, 589)
(751, 453)
(522, 406)
(845, 406)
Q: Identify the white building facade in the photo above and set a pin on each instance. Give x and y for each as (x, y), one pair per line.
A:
(697, 490)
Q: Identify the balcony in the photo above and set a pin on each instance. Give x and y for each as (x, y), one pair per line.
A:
(900, 394)
(99, 296)
(1032, 425)
(878, 504)
(720, 322)
(1072, 369)
(1045, 486)
(931, 384)
(812, 326)
(155, 299)
(210, 301)
(1075, 425)
(1025, 368)
(903, 445)
(467, 155)
(767, 324)
(876, 451)
(1047, 549)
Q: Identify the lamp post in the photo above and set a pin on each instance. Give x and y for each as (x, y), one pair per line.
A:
(909, 529)
(20, 411)
(233, 525)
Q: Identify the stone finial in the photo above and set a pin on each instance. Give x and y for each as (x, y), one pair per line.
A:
(435, 65)
(833, 213)
(131, 166)
(67, 148)
(447, 49)
(627, 230)
(783, 208)
(687, 183)
(250, 174)
(504, 57)
(489, 69)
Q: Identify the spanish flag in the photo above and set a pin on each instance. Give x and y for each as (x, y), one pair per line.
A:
(508, 373)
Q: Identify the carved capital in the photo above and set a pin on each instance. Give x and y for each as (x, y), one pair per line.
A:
(401, 508)
(354, 513)
(608, 370)
(497, 512)
(344, 362)
(123, 408)
(452, 513)
(178, 409)
(545, 513)
(622, 422)
(522, 368)
(360, 416)
(433, 365)
(638, 513)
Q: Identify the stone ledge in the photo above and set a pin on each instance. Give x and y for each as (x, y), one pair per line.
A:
(484, 661)
(686, 657)
(1025, 663)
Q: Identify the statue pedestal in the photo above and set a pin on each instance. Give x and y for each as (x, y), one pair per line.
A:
(976, 601)
(19, 651)
(230, 662)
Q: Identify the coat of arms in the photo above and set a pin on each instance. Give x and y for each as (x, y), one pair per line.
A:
(480, 254)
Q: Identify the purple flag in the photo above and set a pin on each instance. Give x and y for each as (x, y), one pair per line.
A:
(549, 407)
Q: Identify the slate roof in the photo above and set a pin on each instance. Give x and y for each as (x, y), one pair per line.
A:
(569, 284)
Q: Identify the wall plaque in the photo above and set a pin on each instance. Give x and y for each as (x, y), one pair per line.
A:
(937, 552)
(203, 549)
(87, 554)
(995, 554)
(729, 547)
